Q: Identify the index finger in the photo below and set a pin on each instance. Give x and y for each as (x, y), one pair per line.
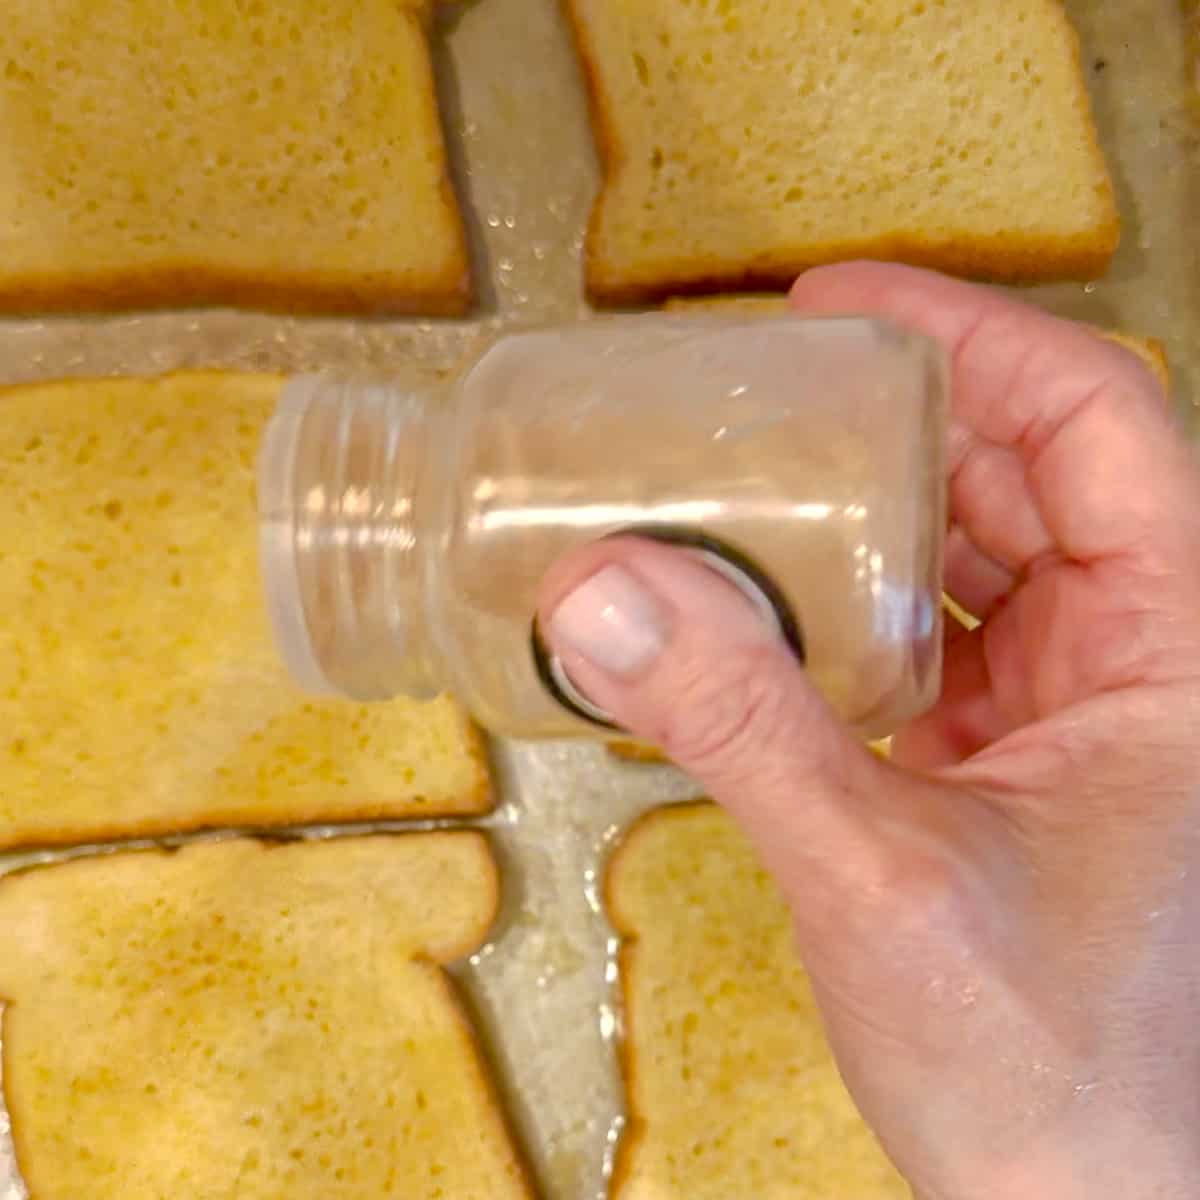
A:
(1059, 439)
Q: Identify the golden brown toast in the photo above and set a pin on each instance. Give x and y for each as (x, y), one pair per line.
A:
(744, 143)
(140, 689)
(730, 1080)
(255, 1022)
(284, 155)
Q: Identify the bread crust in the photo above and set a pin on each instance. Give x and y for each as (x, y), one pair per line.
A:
(469, 940)
(239, 818)
(1001, 259)
(479, 801)
(608, 144)
(635, 1119)
(186, 285)
(636, 752)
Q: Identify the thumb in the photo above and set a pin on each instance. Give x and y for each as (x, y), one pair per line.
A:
(681, 658)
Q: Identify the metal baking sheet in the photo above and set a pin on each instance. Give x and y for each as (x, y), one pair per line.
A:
(542, 990)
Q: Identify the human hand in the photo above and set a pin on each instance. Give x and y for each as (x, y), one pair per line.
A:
(1002, 925)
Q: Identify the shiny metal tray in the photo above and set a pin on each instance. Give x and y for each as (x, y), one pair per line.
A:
(515, 108)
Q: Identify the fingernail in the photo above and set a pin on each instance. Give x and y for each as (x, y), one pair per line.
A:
(612, 621)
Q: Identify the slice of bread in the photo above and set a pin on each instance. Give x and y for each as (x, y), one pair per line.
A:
(254, 1022)
(1150, 350)
(742, 143)
(140, 689)
(285, 154)
(732, 1088)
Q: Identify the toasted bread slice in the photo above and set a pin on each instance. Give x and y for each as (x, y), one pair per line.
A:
(730, 1080)
(744, 143)
(140, 690)
(285, 155)
(251, 1021)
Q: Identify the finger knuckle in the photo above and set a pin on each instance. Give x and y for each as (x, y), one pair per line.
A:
(724, 711)
(918, 896)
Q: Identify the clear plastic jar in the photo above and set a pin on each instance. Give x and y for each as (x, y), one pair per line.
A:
(404, 535)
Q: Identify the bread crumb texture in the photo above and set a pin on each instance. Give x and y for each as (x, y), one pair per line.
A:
(745, 140)
(241, 1021)
(140, 689)
(733, 1090)
(283, 153)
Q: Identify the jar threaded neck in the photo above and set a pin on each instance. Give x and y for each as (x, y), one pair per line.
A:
(339, 474)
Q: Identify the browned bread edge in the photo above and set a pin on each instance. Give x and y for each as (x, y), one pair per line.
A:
(635, 1121)
(184, 285)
